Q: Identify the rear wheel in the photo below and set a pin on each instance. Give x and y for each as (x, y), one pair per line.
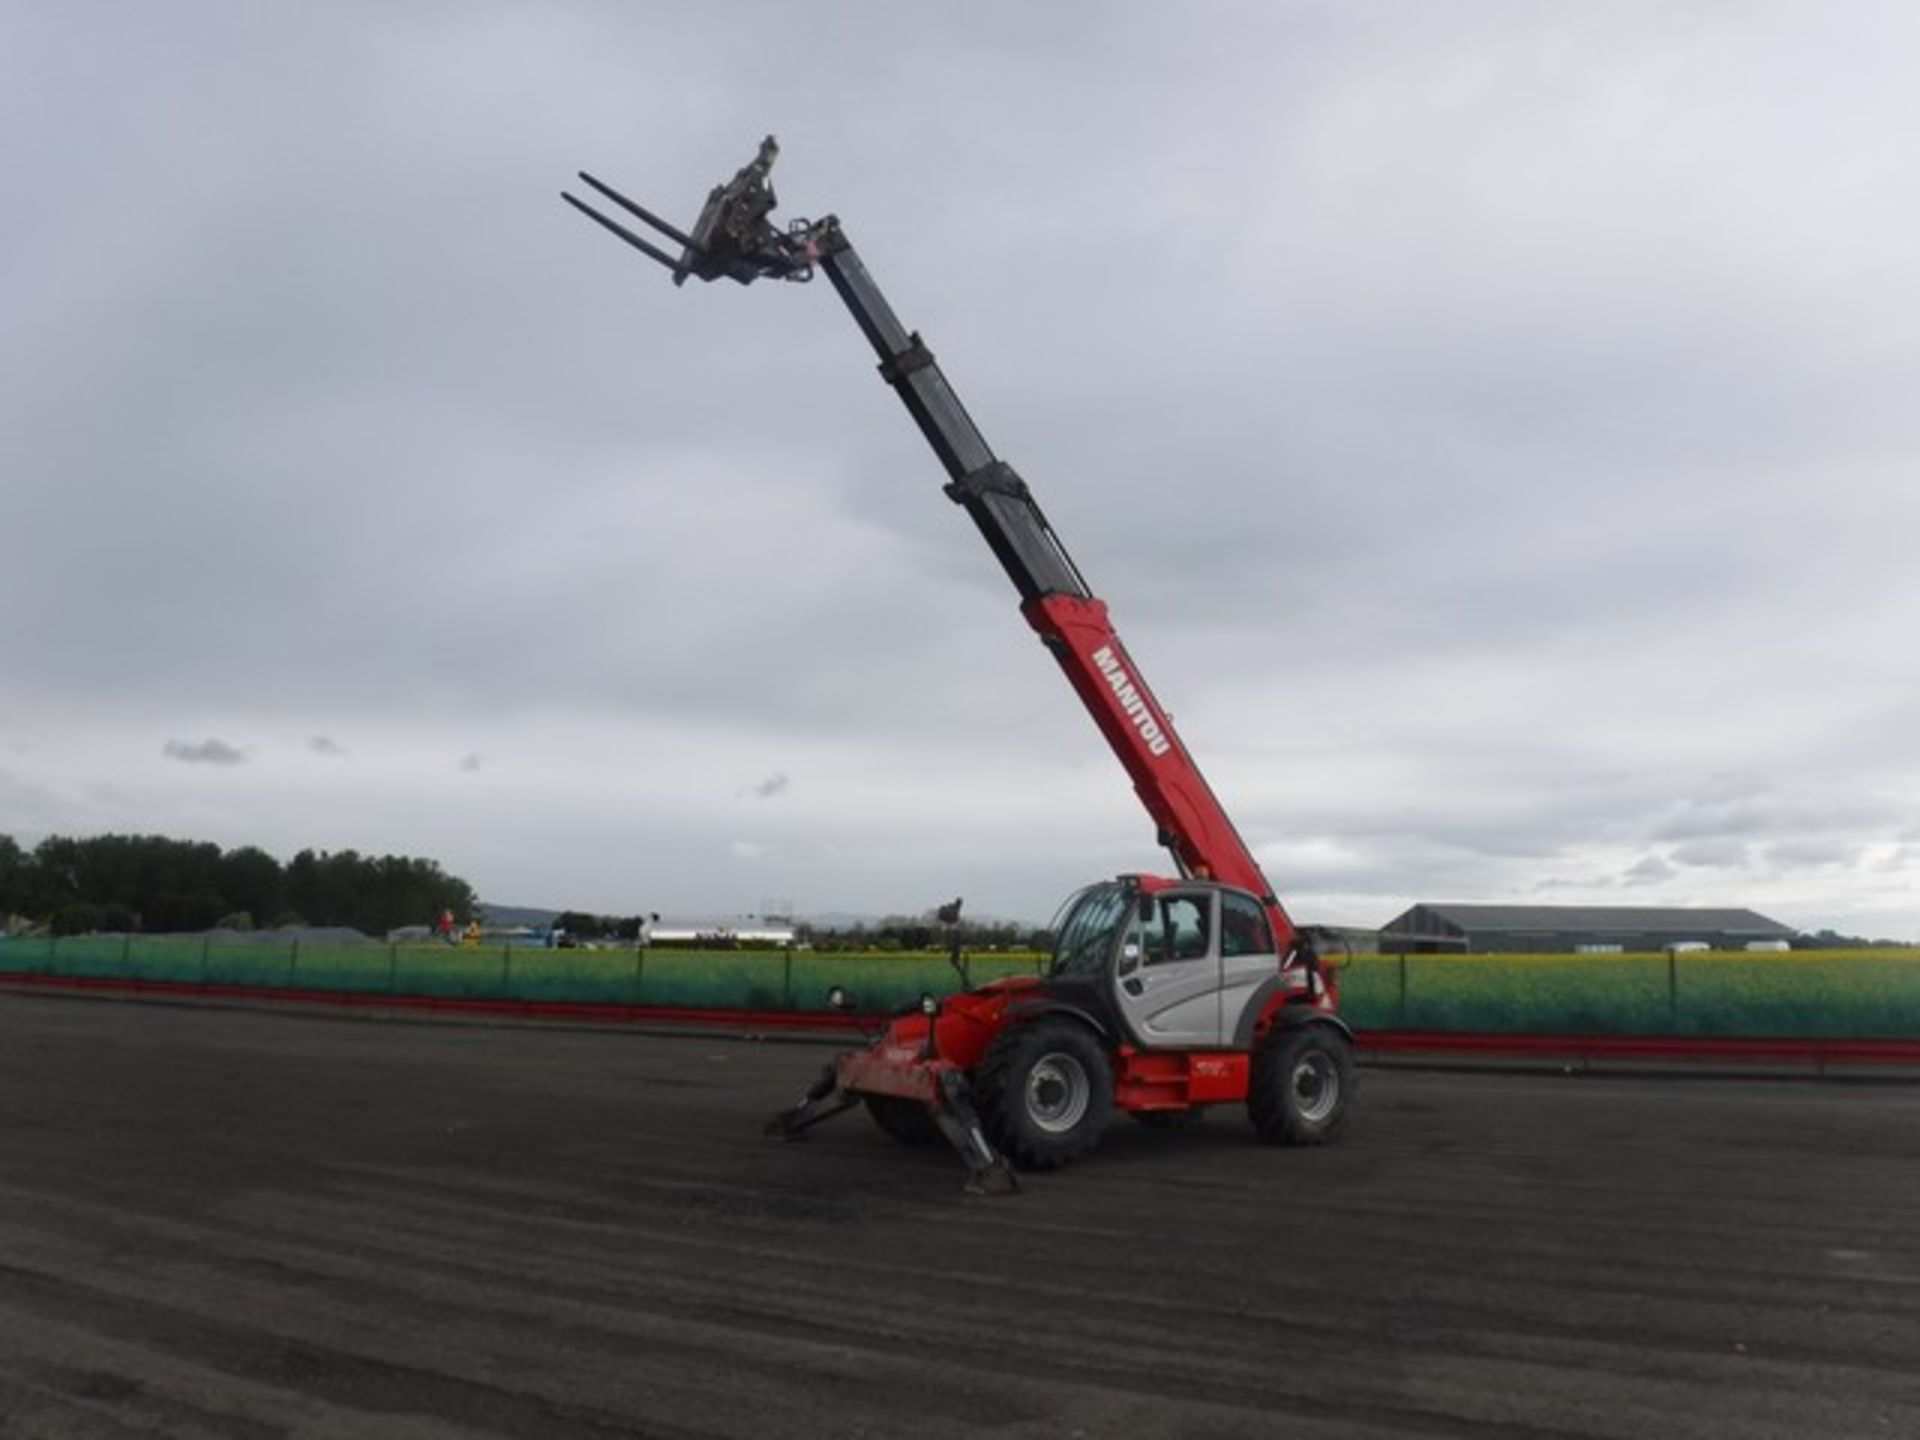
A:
(905, 1120)
(1045, 1092)
(1300, 1085)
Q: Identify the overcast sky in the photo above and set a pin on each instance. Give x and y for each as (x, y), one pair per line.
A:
(1494, 427)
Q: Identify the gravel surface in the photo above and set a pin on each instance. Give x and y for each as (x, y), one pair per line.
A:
(221, 1223)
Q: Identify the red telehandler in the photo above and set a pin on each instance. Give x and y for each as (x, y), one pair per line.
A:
(1165, 994)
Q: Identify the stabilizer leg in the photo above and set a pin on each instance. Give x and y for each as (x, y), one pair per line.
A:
(824, 1100)
(988, 1172)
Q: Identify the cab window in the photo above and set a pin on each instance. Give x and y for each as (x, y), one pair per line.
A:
(1088, 933)
(1178, 929)
(1243, 927)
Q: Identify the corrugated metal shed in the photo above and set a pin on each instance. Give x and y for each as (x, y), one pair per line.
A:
(1547, 928)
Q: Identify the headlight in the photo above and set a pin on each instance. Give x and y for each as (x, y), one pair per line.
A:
(929, 1005)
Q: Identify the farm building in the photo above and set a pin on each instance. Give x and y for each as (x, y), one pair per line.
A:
(1545, 929)
(724, 934)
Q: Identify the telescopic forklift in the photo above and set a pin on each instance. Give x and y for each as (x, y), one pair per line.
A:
(1165, 994)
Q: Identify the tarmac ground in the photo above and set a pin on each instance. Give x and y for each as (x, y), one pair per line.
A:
(226, 1223)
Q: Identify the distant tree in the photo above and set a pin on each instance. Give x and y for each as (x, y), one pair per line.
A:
(13, 877)
(581, 925)
(374, 894)
(159, 884)
(77, 917)
(252, 881)
(1834, 940)
(54, 880)
(118, 918)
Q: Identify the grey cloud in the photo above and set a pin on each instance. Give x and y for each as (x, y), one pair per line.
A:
(1710, 854)
(323, 745)
(774, 784)
(472, 761)
(1798, 854)
(1773, 809)
(204, 752)
(1648, 870)
(1490, 401)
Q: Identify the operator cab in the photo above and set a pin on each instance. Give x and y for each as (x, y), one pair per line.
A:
(1181, 965)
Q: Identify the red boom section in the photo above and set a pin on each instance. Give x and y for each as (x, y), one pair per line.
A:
(1169, 784)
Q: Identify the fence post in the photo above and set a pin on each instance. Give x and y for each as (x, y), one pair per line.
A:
(1403, 990)
(506, 972)
(206, 943)
(393, 965)
(786, 978)
(639, 973)
(293, 961)
(126, 953)
(1673, 993)
(53, 954)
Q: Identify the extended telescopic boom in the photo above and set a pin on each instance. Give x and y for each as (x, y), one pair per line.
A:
(735, 239)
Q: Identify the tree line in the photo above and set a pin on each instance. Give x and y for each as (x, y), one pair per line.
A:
(924, 932)
(157, 885)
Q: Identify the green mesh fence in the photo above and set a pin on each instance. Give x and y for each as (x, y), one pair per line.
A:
(879, 983)
(726, 979)
(1861, 994)
(1799, 995)
(574, 977)
(1509, 994)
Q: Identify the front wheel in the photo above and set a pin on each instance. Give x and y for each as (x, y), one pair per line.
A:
(1300, 1085)
(1045, 1092)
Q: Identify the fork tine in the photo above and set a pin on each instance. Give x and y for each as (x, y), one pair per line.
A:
(643, 246)
(673, 234)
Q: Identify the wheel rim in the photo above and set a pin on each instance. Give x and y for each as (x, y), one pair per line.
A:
(1315, 1085)
(1058, 1093)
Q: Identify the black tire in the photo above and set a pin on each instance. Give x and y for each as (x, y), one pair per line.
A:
(905, 1120)
(1301, 1085)
(1044, 1092)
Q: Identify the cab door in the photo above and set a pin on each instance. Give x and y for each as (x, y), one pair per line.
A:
(1249, 965)
(1167, 978)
